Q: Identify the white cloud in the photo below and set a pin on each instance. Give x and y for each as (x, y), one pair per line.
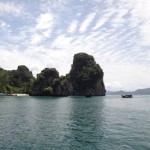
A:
(140, 17)
(145, 33)
(86, 23)
(50, 39)
(104, 18)
(4, 25)
(73, 26)
(100, 23)
(97, 1)
(119, 19)
(43, 28)
(57, 5)
(47, 33)
(45, 21)
(128, 76)
(62, 42)
(10, 8)
(36, 39)
(113, 86)
(110, 2)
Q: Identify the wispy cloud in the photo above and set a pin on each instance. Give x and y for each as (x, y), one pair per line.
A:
(44, 21)
(4, 25)
(140, 14)
(57, 5)
(42, 29)
(73, 26)
(104, 18)
(10, 8)
(86, 23)
(115, 32)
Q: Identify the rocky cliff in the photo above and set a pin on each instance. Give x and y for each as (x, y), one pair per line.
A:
(48, 83)
(86, 77)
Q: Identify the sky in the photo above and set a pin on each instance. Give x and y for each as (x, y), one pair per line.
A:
(47, 33)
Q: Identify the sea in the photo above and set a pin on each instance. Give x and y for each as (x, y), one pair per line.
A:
(75, 123)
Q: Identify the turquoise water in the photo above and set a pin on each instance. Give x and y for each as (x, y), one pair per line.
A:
(75, 123)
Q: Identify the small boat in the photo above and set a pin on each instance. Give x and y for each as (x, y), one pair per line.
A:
(127, 96)
(22, 94)
(17, 94)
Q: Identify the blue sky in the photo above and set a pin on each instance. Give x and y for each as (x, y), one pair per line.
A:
(47, 33)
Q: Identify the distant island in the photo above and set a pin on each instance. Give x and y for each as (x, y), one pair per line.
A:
(145, 91)
(85, 77)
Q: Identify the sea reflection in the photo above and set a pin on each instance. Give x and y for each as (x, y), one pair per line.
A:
(52, 123)
(74, 123)
(86, 123)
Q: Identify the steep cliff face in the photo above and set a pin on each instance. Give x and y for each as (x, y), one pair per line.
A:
(86, 76)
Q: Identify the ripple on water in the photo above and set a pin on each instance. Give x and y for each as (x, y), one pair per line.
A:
(98, 123)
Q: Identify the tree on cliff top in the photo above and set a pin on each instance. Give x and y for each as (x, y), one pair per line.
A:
(20, 80)
(44, 82)
(84, 72)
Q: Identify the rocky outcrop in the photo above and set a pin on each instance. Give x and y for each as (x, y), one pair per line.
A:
(48, 83)
(86, 77)
(20, 80)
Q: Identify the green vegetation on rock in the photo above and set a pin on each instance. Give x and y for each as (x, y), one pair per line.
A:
(43, 85)
(3, 80)
(85, 77)
(16, 81)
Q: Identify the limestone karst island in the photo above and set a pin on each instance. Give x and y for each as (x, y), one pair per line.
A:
(85, 77)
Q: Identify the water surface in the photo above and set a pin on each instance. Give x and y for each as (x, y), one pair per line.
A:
(74, 123)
